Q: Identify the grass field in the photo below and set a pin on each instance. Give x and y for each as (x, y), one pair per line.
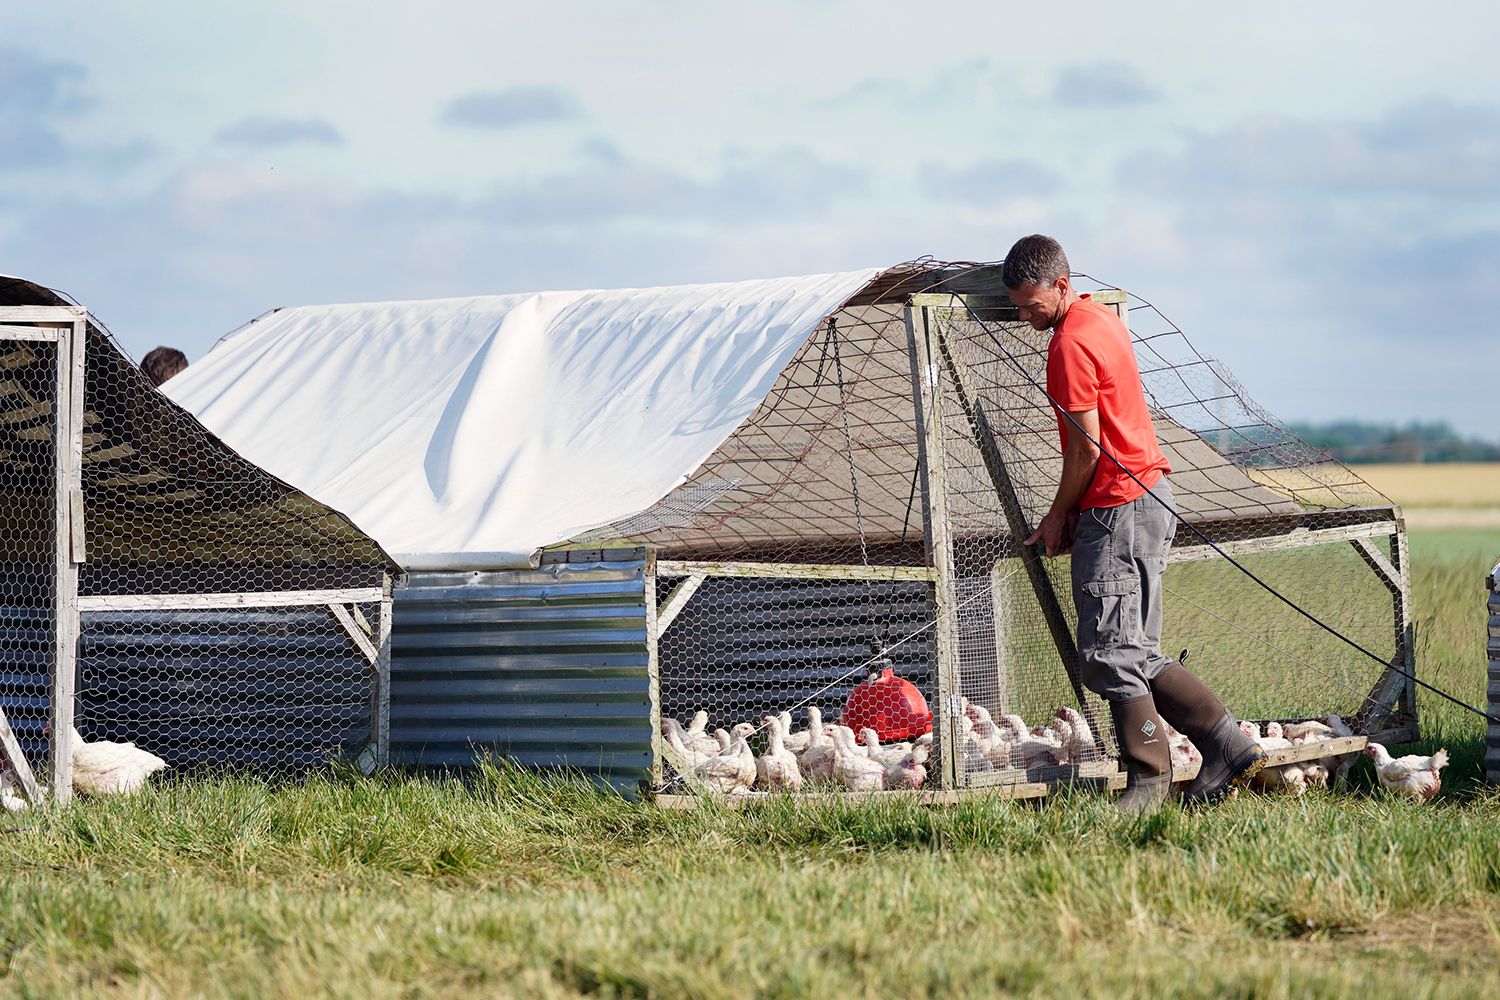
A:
(515, 886)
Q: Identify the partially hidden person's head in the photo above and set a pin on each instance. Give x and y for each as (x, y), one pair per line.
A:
(162, 363)
(1036, 274)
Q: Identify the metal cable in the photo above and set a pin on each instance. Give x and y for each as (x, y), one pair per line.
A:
(1020, 369)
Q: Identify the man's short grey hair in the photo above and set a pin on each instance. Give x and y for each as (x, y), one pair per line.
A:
(1034, 260)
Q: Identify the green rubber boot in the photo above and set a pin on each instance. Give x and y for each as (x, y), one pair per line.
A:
(1144, 754)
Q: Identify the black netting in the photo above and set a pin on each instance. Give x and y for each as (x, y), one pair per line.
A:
(912, 433)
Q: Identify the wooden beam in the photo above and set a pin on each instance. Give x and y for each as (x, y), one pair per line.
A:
(1296, 538)
(206, 602)
(932, 467)
(676, 601)
(1405, 623)
(795, 571)
(356, 636)
(659, 747)
(43, 314)
(32, 333)
(380, 707)
(1379, 563)
(67, 437)
(18, 762)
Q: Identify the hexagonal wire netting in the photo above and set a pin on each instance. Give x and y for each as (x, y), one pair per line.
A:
(224, 618)
(868, 515)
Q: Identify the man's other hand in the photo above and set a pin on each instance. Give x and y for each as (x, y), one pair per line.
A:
(1055, 532)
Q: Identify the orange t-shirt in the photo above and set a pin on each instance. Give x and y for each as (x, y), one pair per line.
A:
(1091, 366)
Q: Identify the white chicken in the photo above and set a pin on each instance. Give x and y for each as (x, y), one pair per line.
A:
(1183, 752)
(1077, 736)
(1288, 777)
(1037, 749)
(1274, 740)
(107, 768)
(1012, 728)
(883, 754)
(730, 772)
(697, 729)
(1307, 732)
(799, 742)
(11, 796)
(689, 756)
(1339, 766)
(1412, 776)
(777, 767)
(853, 769)
(909, 770)
(818, 759)
(701, 744)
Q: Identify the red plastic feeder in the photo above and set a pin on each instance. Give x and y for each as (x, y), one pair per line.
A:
(891, 706)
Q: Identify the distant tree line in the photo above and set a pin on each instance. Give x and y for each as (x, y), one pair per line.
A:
(1353, 441)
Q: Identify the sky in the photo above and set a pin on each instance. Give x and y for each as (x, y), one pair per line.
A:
(1311, 191)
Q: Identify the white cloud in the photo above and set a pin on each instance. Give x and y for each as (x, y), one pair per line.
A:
(989, 182)
(511, 107)
(34, 92)
(261, 132)
(1433, 147)
(1104, 84)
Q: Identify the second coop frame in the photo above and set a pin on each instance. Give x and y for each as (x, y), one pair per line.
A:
(118, 620)
(749, 629)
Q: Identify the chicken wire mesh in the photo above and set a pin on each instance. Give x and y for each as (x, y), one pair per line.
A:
(277, 690)
(28, 532)
(171, 510)
(222, 617)
(909, 432)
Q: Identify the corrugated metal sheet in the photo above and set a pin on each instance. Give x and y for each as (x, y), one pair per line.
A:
(545, 666)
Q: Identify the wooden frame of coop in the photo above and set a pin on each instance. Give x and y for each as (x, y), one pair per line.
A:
(48, 553)
(942, 396)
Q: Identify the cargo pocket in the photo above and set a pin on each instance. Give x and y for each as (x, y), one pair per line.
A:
(1107, 613)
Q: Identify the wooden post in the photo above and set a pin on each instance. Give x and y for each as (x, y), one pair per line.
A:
(927, 385)
(1405, 625)
(72, 347)
(653, 670)
(1393, 692)
(380, 716)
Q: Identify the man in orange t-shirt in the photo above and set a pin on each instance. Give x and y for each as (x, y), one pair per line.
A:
(1114, 511)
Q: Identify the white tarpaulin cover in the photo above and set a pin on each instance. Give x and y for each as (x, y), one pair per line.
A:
(467, 433)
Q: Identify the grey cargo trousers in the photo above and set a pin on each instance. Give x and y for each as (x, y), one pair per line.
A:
(1119, 555)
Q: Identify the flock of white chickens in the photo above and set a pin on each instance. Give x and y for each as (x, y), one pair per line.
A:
(101, 768)
(826, 753)
(832, 754)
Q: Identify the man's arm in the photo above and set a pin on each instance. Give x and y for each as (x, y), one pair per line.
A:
(1079, 463)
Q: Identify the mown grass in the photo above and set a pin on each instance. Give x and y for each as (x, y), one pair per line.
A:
(514, 885)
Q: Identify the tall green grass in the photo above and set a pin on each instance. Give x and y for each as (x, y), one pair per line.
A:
(512, 884)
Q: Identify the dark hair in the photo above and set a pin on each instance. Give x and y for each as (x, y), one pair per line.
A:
(162, 363)
(1034, 260)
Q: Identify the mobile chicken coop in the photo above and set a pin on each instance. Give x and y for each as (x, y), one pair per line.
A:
(158, 588)
(620, 506)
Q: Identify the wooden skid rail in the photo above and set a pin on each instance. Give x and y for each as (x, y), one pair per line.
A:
(1096, 776)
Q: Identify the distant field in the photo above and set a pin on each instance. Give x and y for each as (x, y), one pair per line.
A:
(1438, 484)
(1449, 545)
